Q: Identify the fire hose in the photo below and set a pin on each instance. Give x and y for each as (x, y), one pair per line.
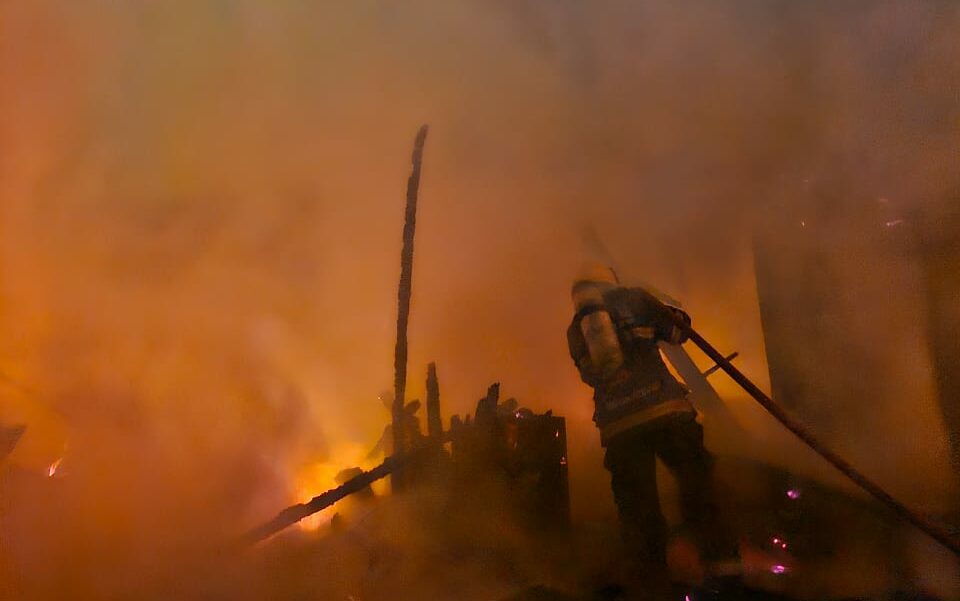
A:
(939, 533)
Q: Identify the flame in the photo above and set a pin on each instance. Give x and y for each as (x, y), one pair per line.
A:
(320, 476)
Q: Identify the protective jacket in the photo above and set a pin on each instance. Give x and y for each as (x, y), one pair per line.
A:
(641, 390)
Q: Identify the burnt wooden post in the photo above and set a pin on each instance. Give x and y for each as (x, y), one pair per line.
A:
(487, 406)
(434, 422)
(403, 302)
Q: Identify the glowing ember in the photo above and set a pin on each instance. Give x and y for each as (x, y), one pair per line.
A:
(778, 569)
(52, 470)
(793, 494)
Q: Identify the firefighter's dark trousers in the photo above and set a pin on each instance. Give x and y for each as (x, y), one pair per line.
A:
(631, 458)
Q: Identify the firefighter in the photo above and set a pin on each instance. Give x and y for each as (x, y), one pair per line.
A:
(642, 413)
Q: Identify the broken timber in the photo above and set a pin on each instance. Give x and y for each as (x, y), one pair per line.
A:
(293, 514)
(434, 421)
(403, 299)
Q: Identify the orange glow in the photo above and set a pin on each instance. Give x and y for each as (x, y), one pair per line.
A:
(320, 476)
(200, 225)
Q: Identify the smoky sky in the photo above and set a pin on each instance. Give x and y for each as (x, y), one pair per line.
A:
(202, 205)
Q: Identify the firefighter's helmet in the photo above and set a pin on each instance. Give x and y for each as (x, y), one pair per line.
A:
(592, 281)
(597, 273)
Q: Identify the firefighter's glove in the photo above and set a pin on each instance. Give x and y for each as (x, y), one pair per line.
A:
(670, 331)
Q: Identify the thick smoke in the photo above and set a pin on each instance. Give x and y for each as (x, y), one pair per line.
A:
(202, 202)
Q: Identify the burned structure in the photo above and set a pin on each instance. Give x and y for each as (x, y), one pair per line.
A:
(938, 246)
(523, 454)
(827, 257)
(503, 453)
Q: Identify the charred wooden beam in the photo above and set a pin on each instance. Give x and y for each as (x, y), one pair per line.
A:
(487, 406)
(403, 298)
(293, 514)
(434, 421)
